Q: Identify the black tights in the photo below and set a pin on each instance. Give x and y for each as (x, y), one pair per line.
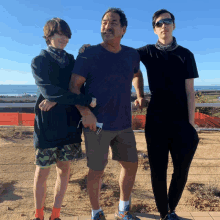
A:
(181, 141)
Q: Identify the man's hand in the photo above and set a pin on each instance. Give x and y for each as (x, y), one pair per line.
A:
(82, 49)
(138, 83)
(89, 121)
(46, 105)
(140, 102)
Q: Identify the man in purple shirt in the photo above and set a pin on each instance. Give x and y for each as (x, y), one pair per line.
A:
(109, 69)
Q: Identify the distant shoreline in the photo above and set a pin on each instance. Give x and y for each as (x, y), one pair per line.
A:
(17, 99)
(32, 99)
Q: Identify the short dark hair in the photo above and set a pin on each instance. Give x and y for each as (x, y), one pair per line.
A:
(158, 13)
(123, 19)
(56, 25)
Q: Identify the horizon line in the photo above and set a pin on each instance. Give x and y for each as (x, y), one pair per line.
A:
(132, 85)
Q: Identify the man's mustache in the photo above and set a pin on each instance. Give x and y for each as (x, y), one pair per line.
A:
(107, 32)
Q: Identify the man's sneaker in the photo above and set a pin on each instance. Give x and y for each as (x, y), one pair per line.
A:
(167, 217)
(37, 219)
(174, 216)
(99, 216)
(55, 218)
(125, 215)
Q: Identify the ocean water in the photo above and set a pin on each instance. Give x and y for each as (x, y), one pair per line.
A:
(18, 90)
(196, 88)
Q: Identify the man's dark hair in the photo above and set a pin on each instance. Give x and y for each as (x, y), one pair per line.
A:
(56, 25)
(158, 13)
(123, 19)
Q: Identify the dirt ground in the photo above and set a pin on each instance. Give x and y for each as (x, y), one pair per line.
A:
(202, 192)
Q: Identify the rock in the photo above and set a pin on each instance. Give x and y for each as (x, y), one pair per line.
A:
(142, 155)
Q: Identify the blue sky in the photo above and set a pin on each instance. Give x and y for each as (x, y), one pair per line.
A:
(22, 21)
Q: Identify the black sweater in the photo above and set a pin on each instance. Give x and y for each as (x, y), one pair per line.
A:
(58, 126)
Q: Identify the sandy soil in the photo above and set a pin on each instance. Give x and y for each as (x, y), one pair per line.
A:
(202, 192)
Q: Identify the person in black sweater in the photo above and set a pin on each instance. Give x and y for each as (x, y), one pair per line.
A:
(171, 70)
(57, 138)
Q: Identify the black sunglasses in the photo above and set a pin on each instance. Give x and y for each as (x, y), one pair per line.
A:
(164, 21)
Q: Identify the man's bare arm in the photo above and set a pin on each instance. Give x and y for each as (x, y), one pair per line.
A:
(76, 83)
(138, 83)
(189, 83)
(88, 118)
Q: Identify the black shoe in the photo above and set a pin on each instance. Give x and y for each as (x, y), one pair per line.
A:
(37, 219)
(99, 216)
(55, 218)
(167, 217)
(174, 216)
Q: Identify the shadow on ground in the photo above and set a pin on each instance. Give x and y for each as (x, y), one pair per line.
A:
(7, 192)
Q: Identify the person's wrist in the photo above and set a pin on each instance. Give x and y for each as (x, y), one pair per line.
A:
(88, 113)
(85, 111)
(140, 96)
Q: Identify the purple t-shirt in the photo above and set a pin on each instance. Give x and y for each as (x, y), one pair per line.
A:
(109, 79)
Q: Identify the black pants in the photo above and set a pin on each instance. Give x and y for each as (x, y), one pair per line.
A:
(181, 140)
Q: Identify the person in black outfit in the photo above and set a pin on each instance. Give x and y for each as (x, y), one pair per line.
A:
(171, 70)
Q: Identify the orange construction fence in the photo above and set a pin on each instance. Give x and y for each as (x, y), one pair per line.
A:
(27, 119)
(202, 120)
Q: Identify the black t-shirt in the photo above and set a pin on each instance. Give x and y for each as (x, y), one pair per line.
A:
(167, 72)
